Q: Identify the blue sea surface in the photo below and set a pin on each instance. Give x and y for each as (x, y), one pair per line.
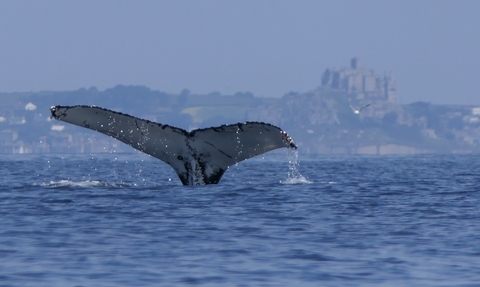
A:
(275, 220)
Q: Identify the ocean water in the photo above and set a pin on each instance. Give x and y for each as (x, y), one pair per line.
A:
(279, 220)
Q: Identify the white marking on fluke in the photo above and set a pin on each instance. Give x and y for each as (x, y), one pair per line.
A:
(198, 157)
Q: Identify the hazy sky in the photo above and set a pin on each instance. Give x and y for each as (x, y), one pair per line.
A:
(270, 48)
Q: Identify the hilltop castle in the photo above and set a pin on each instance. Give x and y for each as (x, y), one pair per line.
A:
(362, 83)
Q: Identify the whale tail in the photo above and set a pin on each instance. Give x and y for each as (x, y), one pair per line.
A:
(198, 157)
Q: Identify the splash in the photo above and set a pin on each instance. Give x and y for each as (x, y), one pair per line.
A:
(238, 147)
(85, 183)
(293, 175)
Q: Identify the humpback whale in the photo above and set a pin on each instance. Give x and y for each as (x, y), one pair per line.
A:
(198, 157)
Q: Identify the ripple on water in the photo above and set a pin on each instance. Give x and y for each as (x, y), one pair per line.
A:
(331, 221)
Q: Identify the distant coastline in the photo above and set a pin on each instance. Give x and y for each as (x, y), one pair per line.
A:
(321, 120)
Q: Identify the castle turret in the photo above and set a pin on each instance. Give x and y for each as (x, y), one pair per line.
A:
(355, 63)
(363, 83)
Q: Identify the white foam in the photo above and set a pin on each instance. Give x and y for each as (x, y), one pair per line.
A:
(84, 183)
(296, 180)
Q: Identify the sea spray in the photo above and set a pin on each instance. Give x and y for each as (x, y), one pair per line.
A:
(294, 176)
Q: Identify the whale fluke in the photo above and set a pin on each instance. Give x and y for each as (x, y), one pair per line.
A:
(198, 157)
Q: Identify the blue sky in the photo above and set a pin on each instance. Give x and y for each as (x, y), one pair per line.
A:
(269, 48)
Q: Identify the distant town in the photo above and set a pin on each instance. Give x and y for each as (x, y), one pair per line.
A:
(324, 120)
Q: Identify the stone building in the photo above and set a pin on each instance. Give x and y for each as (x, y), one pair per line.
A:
(361, 82)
